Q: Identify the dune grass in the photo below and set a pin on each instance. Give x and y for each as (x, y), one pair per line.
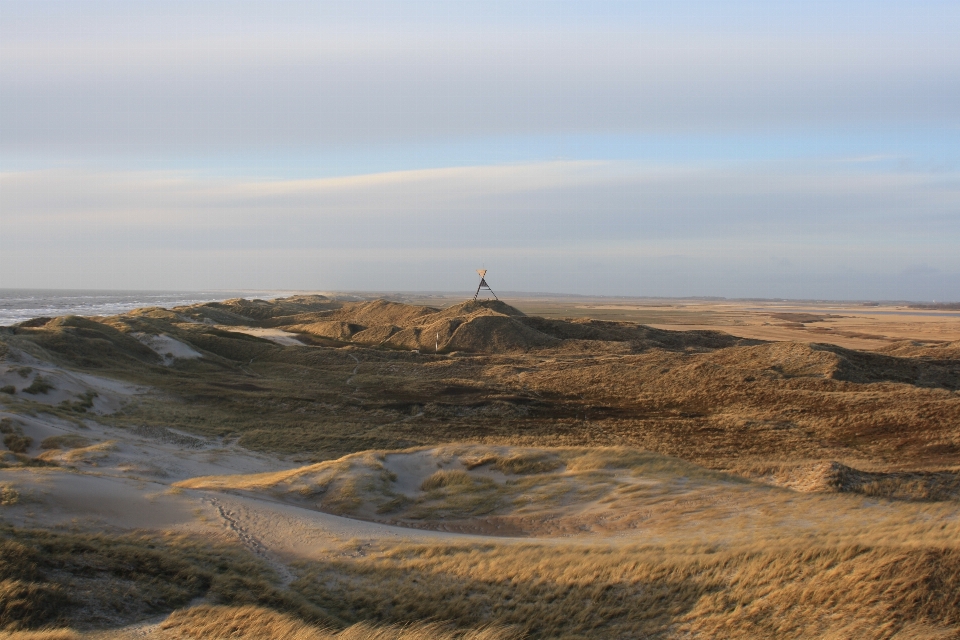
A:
(46, 634)
(722, 557)
(91, 452)
(443, 479)
(38, 386)
(711, 399)
(252, 623)
(792, 590)
(524, 463)
(9, 496)
(13, 437)
(66, 441)
(56, 578)
(17, 443)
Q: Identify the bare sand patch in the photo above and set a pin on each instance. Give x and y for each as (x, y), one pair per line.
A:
(168, 348)
(278, 336)
(841, 469)
(564, 492)
(33, 380)
(51, 497)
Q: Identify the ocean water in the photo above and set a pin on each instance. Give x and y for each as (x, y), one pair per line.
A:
(17, 305)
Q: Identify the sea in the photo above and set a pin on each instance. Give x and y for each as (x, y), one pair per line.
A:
(17, 305)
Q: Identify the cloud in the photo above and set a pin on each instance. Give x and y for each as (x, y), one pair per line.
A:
(592, 198)
(593, 221)
(90, 90)
(228, 82)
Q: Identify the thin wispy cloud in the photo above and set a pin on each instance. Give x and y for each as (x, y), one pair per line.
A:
(810, 142)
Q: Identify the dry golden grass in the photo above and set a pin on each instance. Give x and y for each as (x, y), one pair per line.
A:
(702, 396)
(342, 482)
(835, 584)
(442, 479)
(9, 495)
(792, 589)
(48, 634)
(250, 481)
(929, 486)
(527, 462)
(724, 558)
(251, 623)
(57, 578)
(91, 452)
(721, 557)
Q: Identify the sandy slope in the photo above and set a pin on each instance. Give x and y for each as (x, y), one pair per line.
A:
(290, 532)
(65, 386)
(157, 478)
(120, 479)
(279, 336)
(167, 347)
(123, 479)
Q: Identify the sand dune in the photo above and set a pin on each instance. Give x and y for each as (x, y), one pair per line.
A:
(313, 458)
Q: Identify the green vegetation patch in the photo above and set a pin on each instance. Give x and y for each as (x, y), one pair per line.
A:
(67, 441)
(9, 496)
(17, 443)
(38, 386)
(82, 404)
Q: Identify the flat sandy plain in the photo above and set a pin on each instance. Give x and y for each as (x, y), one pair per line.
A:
(855, 325)
(327, 466)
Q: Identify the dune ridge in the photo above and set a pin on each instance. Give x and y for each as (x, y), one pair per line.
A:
(259, 468)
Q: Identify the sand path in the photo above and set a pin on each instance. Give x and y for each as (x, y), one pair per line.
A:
(282, 533)
(353, 374)
(119, 480)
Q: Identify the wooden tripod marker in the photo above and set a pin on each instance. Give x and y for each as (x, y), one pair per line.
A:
(483, 285)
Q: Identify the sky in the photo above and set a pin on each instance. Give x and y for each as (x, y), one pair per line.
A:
(718, 148)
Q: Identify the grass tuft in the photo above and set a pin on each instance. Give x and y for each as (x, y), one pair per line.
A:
(67, 441)
(444, 478)
(9, 496)
(525, 463)
(17, 443)
(38, 386)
